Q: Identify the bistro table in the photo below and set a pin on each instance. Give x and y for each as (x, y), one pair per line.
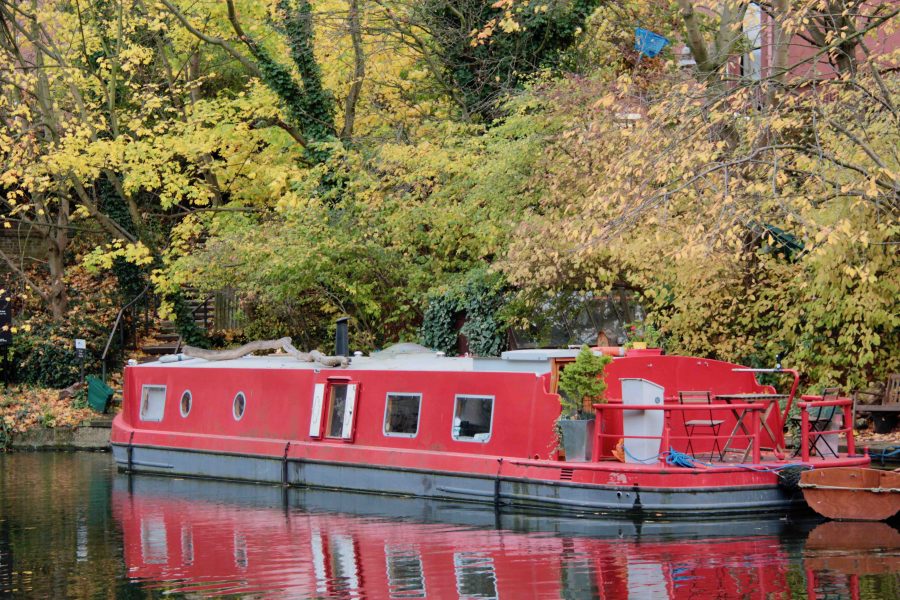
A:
(770, 399)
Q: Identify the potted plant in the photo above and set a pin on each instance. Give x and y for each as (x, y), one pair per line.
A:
(641, 335)
(581, 384)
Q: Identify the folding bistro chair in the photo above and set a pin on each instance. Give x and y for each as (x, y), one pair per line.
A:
(700, 398)
(819, 419)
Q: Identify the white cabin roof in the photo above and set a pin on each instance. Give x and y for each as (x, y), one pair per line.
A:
(523, 361)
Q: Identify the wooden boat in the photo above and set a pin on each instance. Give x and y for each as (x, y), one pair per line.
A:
(852, 494)
(413, 422)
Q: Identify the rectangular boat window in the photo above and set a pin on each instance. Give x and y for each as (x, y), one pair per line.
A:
(153, 402)
(472, 418)
(336, 404)
(341, 406)
(401, 414)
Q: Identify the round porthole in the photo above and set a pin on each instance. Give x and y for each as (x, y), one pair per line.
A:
(240, 403)
(186, 403)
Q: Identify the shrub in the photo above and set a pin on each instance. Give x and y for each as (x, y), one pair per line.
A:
(480, 297)
(43, 350)
(583, 379)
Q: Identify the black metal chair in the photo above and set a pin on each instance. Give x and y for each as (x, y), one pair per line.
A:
(820, 418)
(700, 398)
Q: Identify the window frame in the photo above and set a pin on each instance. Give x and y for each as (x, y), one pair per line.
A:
(190, 395)
(234, 405)
(329, 399)
(453, 418)
(145, 398)
(384, 422)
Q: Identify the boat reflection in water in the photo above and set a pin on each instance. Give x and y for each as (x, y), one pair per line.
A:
(840, 552)
(211, 538)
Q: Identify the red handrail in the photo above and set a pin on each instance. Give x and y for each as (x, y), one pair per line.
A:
(667, 407)
(808, 402)
(667, 437)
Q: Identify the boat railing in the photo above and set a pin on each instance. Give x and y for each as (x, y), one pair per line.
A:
(808, 431)
(794, 373)
(753, 436)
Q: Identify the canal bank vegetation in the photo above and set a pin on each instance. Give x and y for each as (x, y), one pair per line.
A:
(336, 157)
(24, 408)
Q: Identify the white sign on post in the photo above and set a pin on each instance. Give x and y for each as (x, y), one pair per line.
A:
(80, 344)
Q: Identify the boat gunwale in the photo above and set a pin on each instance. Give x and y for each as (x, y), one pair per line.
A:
(878, 490)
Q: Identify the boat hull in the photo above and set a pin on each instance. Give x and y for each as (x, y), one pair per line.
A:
(516, 492)
(852, 494)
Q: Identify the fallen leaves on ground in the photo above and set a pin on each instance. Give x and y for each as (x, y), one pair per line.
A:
(871, 437)
(22, 409)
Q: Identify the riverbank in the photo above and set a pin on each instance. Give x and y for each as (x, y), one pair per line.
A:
(40, 418)
(92, 435)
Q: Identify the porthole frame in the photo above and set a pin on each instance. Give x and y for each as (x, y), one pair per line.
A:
(234, 405)
(190, 403)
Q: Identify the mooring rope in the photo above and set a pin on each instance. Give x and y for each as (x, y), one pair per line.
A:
(675, 458)
(885, 454)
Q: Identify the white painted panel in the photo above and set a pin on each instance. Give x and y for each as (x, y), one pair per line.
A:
(643, 423)
(349, 407)
(315, 421)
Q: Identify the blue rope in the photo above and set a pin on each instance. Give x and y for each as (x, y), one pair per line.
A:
(886, 453)
(675, 458)
(680, 459)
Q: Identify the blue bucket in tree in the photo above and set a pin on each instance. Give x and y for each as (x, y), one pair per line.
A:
(648, 43)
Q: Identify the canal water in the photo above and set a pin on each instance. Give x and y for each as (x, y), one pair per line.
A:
(72, 527)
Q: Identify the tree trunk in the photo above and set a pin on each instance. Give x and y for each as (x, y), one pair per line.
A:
(57, 297)
(359, 71)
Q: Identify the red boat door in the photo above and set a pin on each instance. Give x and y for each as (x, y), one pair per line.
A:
(334, 409)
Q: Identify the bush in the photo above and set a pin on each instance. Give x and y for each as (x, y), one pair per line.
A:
(582, 379)
(43, 350)
(480, 297)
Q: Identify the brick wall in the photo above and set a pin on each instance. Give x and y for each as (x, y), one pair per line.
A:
(22, 245)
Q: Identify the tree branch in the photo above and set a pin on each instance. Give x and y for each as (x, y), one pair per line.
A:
(694, 39)
(212, 40)
(24, 276)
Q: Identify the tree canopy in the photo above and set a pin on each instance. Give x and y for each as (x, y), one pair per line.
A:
(376, 158)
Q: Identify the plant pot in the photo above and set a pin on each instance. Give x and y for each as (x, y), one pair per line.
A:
(639, 345)
(577, 439)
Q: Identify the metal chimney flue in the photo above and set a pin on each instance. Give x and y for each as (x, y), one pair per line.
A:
(342, 338)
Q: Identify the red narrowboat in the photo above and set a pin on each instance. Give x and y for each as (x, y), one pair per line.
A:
(677, 436)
